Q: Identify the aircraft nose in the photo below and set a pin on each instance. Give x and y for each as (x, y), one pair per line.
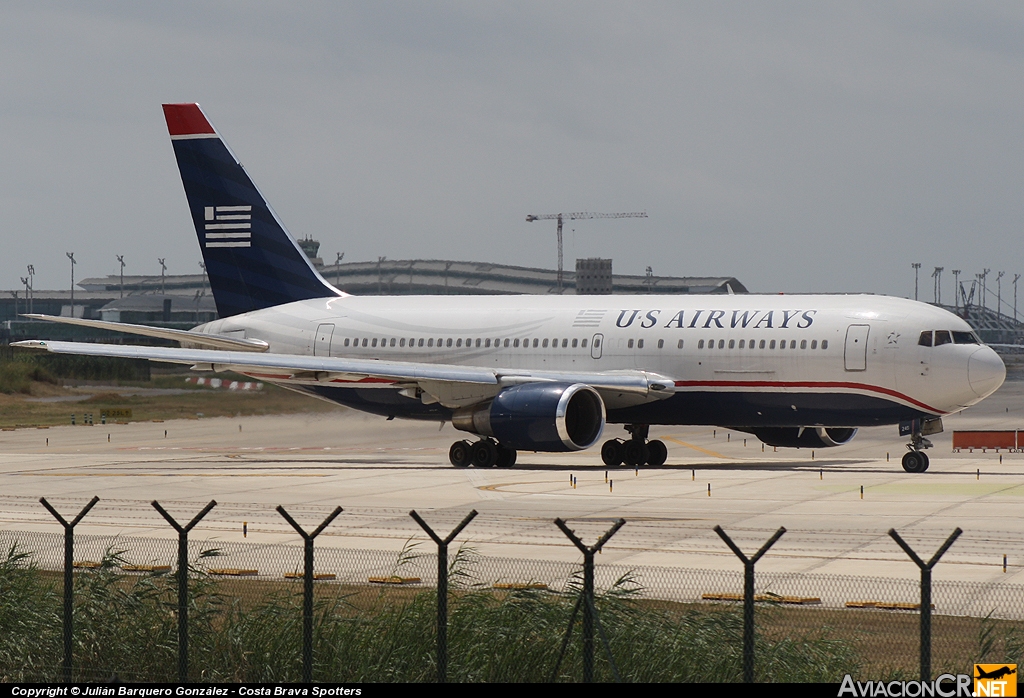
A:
(985, 371)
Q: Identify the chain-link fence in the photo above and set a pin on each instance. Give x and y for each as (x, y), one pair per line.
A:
(375, 617)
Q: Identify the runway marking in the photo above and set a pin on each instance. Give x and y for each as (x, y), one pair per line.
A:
(165, 474)
(966, 489)
(697, 448)
(495, 487)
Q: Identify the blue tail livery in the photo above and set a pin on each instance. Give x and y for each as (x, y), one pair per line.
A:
(251, 259)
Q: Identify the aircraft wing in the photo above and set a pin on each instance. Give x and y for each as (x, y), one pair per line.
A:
(217, 341)
(431, 377)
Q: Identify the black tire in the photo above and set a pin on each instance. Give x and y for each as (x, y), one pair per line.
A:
(635, 453)
(460, 454)
(925, 457)
(611, 453)
(484, 453)
(915, 462)
(658, 452)
(506, 457)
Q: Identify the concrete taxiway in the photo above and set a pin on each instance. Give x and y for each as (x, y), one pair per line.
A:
(379, 470)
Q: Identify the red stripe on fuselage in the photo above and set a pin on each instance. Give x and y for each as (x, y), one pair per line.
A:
(809, 384)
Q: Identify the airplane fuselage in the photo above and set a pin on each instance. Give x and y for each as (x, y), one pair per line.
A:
(743, 360)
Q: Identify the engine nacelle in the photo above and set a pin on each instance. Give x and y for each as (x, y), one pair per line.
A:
(805, 437)
(538, 417)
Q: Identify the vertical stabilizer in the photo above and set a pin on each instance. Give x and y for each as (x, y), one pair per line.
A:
(252, 261)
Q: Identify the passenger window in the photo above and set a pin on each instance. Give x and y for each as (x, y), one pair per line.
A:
(346, 341)
(374, 341)
(393, 341)
(506, 343)
(803, 343)
(700, 344)
(545, 345)
(679, 345)
(752, 344)
(661, 343)
(575, 343)
(761, 346)
(771, 345)
(814, 344)
(420, 343)
(732, 343)
(516, 344)
(942, 337)
(597, 343)
(402, 343)
(629, 344)
(640, 344)
(449, 342)
(478, 342)
(721, 344)
(565, 343)
(824, 344)
(458, 342)
(782, 344)
(926, 339)
(743, 344)
(535, 340)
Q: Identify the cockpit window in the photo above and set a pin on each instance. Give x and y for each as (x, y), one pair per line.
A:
(926, 339)
(965, 338)
(942, 337)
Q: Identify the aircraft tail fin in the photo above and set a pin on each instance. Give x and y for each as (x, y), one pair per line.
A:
(252, 261)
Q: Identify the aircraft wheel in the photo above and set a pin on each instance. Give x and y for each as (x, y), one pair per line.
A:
(635, 453)
(484, 453)
(658, 452)
(925, 457)
(460, 454)
(611, 453)
(915, 462)
(506, 457)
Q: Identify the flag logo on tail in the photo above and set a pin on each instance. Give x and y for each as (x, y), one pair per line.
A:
(228, 226)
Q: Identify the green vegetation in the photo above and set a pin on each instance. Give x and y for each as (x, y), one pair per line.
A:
(126, 625)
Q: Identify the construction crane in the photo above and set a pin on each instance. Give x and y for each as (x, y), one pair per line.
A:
(576, 217)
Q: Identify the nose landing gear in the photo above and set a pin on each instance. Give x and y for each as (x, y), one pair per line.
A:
(485, 453)
(915, 460)
(636, 450)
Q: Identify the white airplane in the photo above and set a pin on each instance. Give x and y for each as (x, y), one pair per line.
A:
(546, 373)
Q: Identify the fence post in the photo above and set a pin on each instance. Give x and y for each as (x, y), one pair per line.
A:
(442, 588)
(926, 595)
(183, 582)
(307, 588)
(589, 609)
(748, 596)
(69, 577)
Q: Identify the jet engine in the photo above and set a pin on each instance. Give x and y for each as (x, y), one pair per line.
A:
(805, 437)
(538, 417)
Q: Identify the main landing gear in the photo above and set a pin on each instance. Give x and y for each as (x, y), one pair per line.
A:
(915, 460)
(485, 453)
(636, 450)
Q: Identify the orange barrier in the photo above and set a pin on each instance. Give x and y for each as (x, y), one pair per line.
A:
(987, 439)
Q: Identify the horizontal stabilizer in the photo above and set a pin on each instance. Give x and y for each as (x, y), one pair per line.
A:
(186, 337)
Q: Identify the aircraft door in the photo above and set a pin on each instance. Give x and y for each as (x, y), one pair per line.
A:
(322, 341)
(856, 353)
(595, 346)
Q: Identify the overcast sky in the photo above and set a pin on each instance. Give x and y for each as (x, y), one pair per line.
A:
(797, 146)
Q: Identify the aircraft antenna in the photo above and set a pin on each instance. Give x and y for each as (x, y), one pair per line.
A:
(576, 217)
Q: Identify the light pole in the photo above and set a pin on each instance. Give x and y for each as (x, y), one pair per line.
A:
(31, 286)
(937, 289)
(1015, 278)
(956, 289)
(203, 267)
(917, 267)
(71, 256)
(163, 268)
(24, 280)
(983, 276)
(337, 267)
(120, 258)
(999, 292)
